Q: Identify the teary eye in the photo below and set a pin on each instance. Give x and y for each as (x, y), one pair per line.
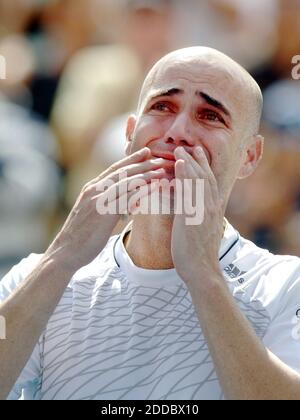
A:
(160, 106)
(211, 116)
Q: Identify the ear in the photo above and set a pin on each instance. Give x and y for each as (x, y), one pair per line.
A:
(254, 152)
(129, 133)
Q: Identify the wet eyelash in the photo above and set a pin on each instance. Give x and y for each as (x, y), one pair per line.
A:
(159, 104)
(215, 114)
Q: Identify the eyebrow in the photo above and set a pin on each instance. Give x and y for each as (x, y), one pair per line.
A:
(213, 102)
(208, 99)
(168, 92)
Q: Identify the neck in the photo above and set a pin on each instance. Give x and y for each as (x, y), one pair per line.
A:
(149, 242)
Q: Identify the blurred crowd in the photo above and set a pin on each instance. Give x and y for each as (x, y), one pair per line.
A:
(72, 76)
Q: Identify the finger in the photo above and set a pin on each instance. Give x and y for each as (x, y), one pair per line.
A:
(138, 168)
(139, 156)
(202, 160)
(122, 187)
(191, 172)
(203, 163)
(132, 170)
(123, 173)
(191, 167)
(181, 153)
(187, 189)
(185, 169)
(127, 203)
(179, 169)
(191, 188)
(136, 203)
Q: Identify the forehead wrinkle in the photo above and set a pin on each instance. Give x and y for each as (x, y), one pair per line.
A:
(212, 65)
(174, 91)
(155, 82)
(211, 99)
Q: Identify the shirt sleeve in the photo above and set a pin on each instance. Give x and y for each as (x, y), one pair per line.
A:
(283, 334)
(28, 385)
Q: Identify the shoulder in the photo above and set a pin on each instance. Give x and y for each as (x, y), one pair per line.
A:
(263, 262)
(104, 262)
(100, 267)
(267, 278)
(17, 274)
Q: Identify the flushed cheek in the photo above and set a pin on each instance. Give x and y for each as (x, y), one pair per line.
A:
(221, 163)
(225, 165)
(218, 151)
(146, 132)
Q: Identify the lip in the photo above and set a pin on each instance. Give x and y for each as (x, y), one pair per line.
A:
(164, 155)
(170, 156)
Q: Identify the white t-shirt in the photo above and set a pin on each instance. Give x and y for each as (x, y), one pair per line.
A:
(122, 332)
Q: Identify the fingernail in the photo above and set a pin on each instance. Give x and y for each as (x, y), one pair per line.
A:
(157, 161)
(180, 149)
(199, 150)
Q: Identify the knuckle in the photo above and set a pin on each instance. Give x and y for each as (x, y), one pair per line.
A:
(113, 168)
(88, 191)
(120, 172)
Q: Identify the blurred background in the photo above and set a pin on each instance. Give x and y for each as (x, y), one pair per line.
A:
(73, 73)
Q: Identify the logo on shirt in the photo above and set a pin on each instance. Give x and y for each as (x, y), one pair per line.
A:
(233, 272)
(2, 328)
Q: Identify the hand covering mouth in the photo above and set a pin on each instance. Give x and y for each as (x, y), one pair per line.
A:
(167, 155)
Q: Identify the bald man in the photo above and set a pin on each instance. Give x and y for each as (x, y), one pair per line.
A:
(166, 310)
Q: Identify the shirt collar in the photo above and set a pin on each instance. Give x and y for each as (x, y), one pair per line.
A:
(169, 276)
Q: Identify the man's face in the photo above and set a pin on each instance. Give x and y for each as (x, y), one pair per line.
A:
(189, 105)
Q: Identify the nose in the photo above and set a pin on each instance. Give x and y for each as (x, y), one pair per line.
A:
(179, 132)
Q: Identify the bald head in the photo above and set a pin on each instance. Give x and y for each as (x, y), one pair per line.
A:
(212, 68)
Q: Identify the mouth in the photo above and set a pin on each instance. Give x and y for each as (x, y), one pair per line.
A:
(165, 155)
(170, 156)
(169, 165)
